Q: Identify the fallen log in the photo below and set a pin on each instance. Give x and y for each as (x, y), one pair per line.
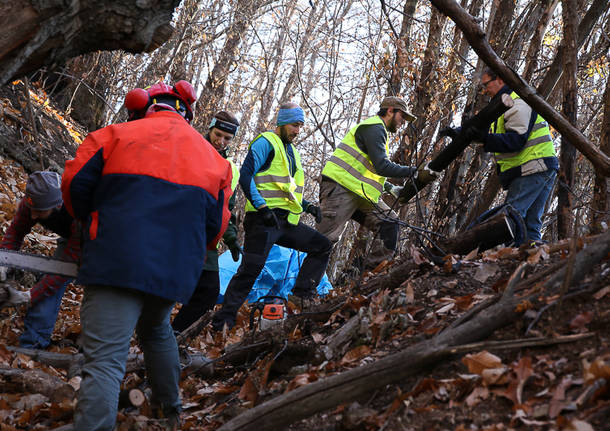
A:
(327, 393)
(66, 361)
(36, 382)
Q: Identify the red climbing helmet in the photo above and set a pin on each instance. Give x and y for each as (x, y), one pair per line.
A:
(161, 96)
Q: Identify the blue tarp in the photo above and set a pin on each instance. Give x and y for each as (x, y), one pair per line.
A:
(276, 278)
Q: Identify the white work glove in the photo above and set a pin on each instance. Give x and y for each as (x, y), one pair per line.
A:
(16, 297)
(390, 188)
(395, 190)
(3, 271)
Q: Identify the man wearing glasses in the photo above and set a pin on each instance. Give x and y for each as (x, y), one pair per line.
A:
(526, 160)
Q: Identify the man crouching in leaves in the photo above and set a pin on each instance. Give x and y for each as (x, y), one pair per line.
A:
(152, 193)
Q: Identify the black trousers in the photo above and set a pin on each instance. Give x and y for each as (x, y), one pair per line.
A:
(257, 243)
(203, 299)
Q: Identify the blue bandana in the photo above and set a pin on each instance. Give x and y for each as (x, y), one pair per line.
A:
(289, 116)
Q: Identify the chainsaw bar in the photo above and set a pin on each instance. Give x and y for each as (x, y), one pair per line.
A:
(38, 263)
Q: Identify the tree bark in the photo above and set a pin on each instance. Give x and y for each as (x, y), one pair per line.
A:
(531, 58)
(36, 382)
(491, 233)
(214, 88)
(600, 206)
(476, 38)
(427, 84)
(402, 48)
(49, 32)
(568, 152)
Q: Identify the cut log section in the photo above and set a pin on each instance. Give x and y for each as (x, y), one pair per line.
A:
(131, 398)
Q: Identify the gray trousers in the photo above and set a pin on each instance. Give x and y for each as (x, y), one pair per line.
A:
(340, 205)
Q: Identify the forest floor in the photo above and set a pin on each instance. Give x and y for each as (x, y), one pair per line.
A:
(560, 382)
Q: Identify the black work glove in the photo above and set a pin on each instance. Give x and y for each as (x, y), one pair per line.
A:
(315, 211)
(235, 250)
(451, 132)
(475, 134)
(269, 217)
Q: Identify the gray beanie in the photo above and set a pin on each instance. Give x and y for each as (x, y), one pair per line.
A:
(43, 190)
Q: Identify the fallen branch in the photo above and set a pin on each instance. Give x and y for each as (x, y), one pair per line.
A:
(520, 343)
(195, 328)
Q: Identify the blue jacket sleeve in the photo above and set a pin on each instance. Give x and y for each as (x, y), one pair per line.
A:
(518, 122)
(508, 142)
(257, 156)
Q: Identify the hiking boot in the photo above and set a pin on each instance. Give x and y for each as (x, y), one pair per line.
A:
(533, 243)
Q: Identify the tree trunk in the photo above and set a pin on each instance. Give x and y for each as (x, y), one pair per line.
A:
(600, 207)
(533, 50)
(596, 10)
(214, 88)
(427, 84)
(49, 32)
(568, 152)
(36, 382)
(402, 48)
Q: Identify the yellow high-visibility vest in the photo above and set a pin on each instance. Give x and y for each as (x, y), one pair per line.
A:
(539, 143)
(276, 185)
(353, 169)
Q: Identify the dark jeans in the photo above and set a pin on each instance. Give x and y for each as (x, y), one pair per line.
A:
(528, 195)
(257, 243)
(203, 299)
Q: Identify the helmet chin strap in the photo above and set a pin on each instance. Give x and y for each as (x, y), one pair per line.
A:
(157, 107)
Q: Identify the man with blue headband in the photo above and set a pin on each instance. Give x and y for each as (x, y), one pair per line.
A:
(222, 130)
(354, 178)
(272, 179)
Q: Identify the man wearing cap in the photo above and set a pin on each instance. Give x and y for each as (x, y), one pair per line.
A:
(272, 179)
(354, 178)
(42, 204)
(222, 130)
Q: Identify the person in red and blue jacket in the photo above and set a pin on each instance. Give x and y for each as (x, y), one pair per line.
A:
(42, 205)
(152, 193)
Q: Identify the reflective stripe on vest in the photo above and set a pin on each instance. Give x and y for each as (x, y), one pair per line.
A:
(539, 143)
(352, 168)
(235, 172)
(276, 185)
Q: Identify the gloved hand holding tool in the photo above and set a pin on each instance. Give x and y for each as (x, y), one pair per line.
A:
(235, 249)
(315, 211)
(390, 188)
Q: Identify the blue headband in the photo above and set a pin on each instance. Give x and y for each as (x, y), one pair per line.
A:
(289, 116)
(225, 126)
